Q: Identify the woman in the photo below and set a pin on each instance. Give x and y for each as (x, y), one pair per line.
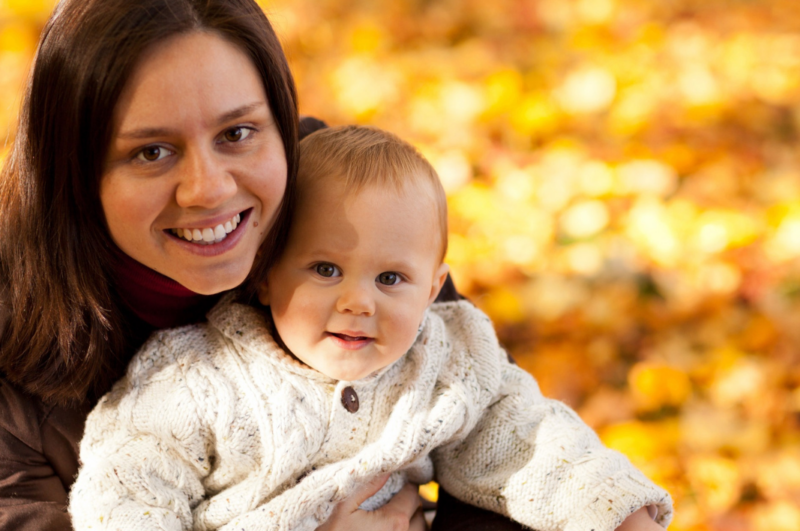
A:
(156, 149)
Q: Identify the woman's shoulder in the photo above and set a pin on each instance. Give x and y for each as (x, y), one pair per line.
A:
(21, 415)
(38, 459)
(309, 124)
(24, 416)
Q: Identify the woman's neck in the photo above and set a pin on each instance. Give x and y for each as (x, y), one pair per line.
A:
(158, 300)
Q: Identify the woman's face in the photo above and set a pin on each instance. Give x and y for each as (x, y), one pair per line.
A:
(196, 167)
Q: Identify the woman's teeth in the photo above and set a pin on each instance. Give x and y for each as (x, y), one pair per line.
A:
(209, 235)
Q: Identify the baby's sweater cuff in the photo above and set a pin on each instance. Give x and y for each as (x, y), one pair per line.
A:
(617, 498)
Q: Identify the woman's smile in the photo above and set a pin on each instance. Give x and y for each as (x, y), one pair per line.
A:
(216, 246)
(208, 235)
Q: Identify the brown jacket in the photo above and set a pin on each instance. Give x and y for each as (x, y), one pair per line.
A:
(38, 461)
(39, 451)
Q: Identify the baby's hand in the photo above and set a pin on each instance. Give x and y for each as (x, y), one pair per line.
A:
(640, 521)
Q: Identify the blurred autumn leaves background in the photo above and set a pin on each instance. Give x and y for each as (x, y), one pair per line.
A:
(624, 186)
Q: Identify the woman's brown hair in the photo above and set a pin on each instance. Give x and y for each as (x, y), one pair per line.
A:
(65, 335)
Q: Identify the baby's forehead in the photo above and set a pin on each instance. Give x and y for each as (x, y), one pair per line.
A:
(340, 188)
(353, 180)
(414, 197)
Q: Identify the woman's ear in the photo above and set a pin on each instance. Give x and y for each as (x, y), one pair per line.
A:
(438, 281)
(263, 292)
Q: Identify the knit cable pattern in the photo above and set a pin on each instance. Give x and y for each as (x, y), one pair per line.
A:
(214, 427)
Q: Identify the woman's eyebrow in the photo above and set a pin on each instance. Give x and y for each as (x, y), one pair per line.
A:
(239, 112)
(150, 132)
(145, 132)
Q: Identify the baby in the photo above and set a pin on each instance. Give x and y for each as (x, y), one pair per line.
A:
(267, 419)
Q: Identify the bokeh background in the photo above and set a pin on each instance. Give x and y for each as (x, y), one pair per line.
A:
(624, 192)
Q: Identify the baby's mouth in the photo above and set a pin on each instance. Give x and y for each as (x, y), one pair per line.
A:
(345, 337)
(209, 235)
(348, 342)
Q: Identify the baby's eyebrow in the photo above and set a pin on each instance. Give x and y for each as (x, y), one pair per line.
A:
(399, 265)
(317, 254)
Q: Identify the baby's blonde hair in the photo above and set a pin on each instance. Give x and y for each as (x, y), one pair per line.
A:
(361, 156)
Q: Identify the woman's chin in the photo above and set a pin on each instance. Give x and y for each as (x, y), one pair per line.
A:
(211, 284)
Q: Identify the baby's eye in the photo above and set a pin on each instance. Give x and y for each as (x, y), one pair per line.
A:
(327, 270)
(236, 134)
(153, 153)
(388, 278)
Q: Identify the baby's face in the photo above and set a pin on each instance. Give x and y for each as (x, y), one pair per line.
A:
(350, 291)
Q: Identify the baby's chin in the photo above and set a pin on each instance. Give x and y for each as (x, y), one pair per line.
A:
(350, 366)
(347, 375)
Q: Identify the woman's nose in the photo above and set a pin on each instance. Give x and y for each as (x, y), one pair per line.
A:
(356, 299)
(204, 182)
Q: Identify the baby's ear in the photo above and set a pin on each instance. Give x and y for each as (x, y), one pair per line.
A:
(439, 278)
(263, 292)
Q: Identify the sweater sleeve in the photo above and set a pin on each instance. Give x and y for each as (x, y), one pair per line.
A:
(145, 451)
(534, 460)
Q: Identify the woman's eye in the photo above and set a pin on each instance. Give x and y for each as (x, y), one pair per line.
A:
(153, 153)
(236, 134)
(389, 278)
(327, 270)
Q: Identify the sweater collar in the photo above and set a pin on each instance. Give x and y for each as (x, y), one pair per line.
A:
(156, 299)
(250, 329)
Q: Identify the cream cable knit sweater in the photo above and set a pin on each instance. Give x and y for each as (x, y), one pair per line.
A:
(214, 427)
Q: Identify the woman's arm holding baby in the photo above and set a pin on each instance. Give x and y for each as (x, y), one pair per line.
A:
(403, 512)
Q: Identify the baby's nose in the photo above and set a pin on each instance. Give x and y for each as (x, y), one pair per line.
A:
(356, 299)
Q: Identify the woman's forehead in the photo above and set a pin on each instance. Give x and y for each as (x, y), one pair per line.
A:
(189, 79)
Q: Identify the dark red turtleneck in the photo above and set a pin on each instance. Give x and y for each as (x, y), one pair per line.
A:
(158, 300)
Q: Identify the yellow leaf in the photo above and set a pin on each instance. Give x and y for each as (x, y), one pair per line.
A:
(17, 37)
(38, 9)
(429, 491)
(366, 37)
(503, 305)
(778, 516)
(655, 386)
(717, 481)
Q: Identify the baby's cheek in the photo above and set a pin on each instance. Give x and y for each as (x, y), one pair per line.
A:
(298, 337)
(290, 301)
(296, 322)
(405, 331)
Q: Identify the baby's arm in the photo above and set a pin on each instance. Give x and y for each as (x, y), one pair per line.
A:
(534, 460)
(143, 453)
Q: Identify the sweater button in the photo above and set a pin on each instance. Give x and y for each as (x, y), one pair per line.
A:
(350, 399)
